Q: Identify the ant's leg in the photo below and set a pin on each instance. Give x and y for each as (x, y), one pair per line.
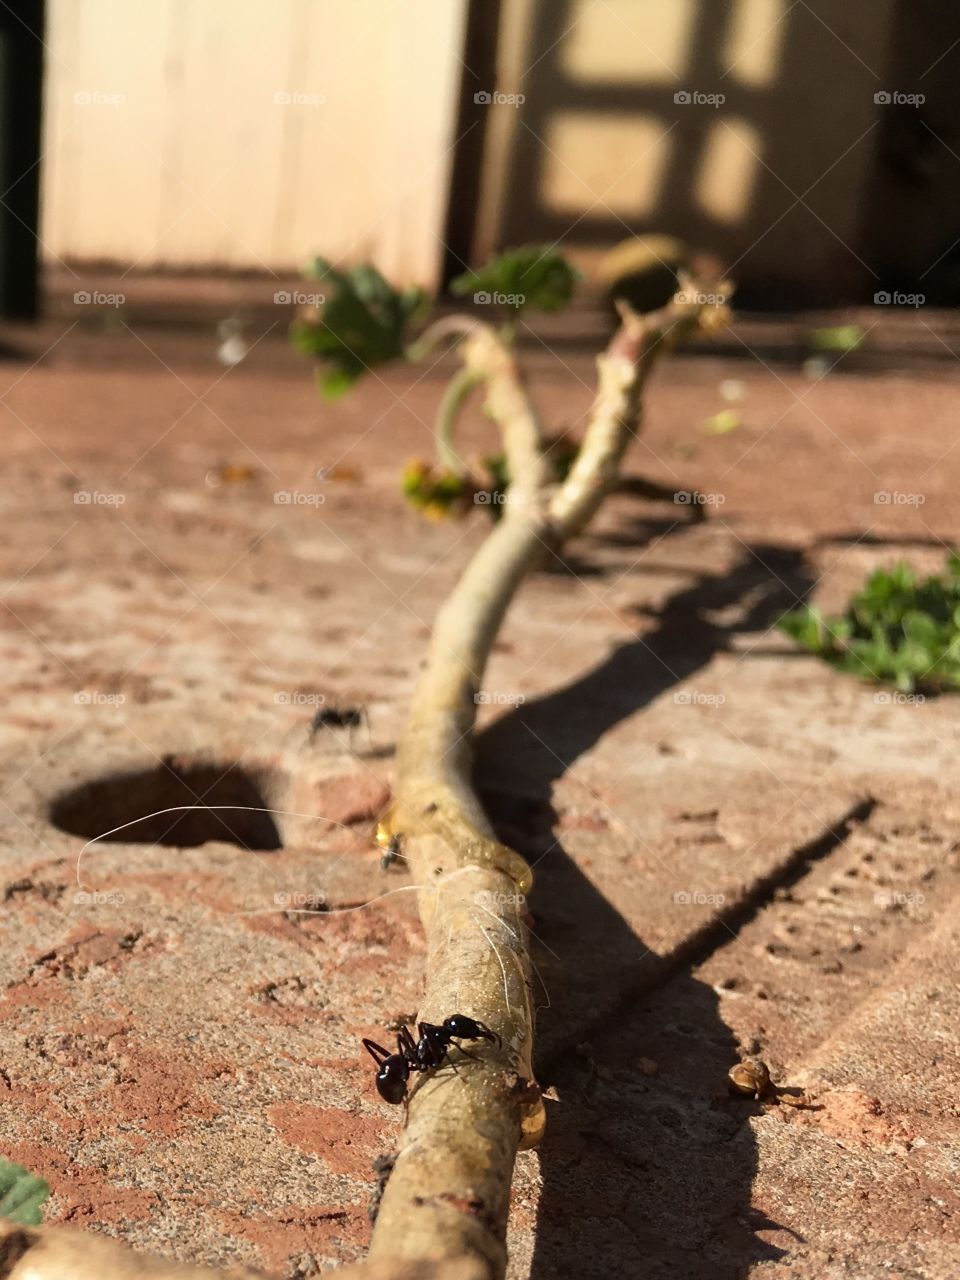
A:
(376, 1051)
(436, 1039)
(466, 1052)
(406, 1045)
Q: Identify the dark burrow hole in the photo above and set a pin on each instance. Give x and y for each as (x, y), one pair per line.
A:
(99, 806)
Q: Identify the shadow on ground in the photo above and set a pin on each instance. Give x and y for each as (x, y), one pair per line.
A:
(642, 1175)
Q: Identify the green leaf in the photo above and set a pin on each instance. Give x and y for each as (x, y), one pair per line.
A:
(896, 630)
(922, 629)
(842, 337)
(532, 276)
(722, 423)
(21, 1194)
(335, 382)
(437, 493)
(805, 625)
(363, 322)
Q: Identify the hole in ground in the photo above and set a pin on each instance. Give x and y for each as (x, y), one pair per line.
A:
(99, 806)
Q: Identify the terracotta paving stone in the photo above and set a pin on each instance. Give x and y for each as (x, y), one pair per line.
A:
(737, 850)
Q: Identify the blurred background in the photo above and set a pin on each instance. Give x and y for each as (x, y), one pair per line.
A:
(811, 147)
(213, 588)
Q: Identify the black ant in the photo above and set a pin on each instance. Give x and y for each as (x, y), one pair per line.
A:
(425, 1054)
(390, 855)
(337, 718)
(348, 718)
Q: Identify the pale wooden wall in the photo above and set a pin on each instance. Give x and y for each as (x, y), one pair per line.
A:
(196, 165)
(773, 178)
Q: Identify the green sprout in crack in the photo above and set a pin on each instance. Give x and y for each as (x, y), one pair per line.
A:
(21, 1194)
(899, 629)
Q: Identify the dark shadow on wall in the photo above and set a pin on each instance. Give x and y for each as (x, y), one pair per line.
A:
(639, 1177)
(911, 224)
(21, 76)
(812, 124)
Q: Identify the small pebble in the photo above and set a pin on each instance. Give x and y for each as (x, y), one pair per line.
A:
(732, 390)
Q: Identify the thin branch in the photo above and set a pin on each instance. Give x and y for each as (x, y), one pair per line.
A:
(449, 1191)
(60, 1253)
(622, 372)
(453, 326)
(456, 395)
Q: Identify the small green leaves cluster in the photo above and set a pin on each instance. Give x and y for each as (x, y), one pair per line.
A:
(899, 629)
(840, 337)
(434, 491)
(21, 1194)
(363, 322)
(440, 494)
(534, 277)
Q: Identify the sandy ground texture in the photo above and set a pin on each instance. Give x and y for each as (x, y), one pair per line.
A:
(737, 850)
